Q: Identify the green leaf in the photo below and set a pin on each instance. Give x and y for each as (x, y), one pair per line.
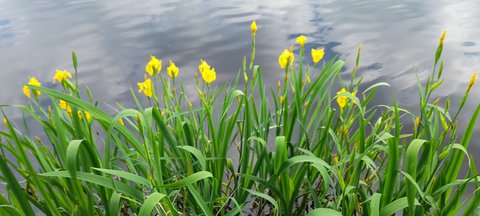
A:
(375, 204)
(324, 212)
(115, 201)
(17, 193)
(198, 154)
(266, 197)
(280, 152)
(411, 162)
(188, 180)
(376, 85)
(127, 175)
(72, 153)
(396, 206)
(104, 181)
(150, 203)
(199, 200)
(302, 159)
(74, 59)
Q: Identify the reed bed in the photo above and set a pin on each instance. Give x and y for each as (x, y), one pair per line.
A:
(303, 147)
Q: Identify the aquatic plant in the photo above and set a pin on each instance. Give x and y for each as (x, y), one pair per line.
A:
(306, 147)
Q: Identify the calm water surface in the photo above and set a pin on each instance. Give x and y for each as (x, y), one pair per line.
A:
(113, 40)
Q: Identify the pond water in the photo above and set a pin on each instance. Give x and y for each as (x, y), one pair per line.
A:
(113, 41)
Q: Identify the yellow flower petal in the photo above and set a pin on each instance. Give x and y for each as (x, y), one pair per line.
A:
(26, 91)
(203, 67)
(317, 55)
(301, 40)
(209, 76)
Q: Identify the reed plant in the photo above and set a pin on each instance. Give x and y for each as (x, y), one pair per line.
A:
(304, 147)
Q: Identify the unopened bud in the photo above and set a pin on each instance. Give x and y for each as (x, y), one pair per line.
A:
(443, 36)
(472, 82)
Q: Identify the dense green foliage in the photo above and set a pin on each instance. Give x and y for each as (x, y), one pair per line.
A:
(300, 148)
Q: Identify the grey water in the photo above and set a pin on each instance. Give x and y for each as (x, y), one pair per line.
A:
(114, 39)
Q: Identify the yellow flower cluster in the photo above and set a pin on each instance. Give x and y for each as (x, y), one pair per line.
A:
(26, 90)
(60, 76)
(286, 58)
(154, 66)
(87, 115)
(208, 74)
(146, 87)
(66, 107)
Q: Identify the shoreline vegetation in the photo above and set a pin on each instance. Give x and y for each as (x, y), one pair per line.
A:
(304, 147)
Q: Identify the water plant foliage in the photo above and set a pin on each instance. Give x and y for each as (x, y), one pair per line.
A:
(312, 145)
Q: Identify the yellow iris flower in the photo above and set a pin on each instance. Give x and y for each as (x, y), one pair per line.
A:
(204, 66)
(285, 58)
(301, 40)
(153, 66)
(172, 70)
(208, 74)
(317, 55)
(60, 76)
(146, 87)
(342, 101)
(33, 81)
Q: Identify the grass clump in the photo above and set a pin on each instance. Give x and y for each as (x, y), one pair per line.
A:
(302, 148)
